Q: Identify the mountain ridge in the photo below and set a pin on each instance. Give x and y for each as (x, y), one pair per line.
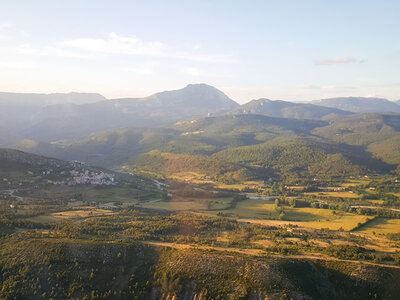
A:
(286, 109)
(359, 104)
(66, 121)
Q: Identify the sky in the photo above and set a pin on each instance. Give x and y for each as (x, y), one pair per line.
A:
(288, 50)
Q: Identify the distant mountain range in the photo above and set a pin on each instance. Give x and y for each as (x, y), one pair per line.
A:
(29, 116)
(200, 127)
(41, 100)
(360, 104)
(53, 117)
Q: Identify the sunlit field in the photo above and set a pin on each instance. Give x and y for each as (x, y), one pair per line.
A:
(381, 226)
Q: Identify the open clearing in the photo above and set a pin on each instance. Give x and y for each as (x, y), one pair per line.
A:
(253, 208)
(264, 210)
(381, 226)
(334, 194)
(347, 222)
(70, 215)
(177, 205)
(190, 203)
(355, 182)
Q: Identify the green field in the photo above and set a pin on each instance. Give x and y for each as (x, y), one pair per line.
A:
(119, 194)
(190, 204)
(70, 215)
(220, 203)
(257, 209)
(381, 226)
(346, 221)
(355, 182)
(177, 205)
(254, 208)
(334, 194)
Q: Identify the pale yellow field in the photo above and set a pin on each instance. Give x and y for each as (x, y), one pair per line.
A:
(238, 187)
(355, 182)
(177, 205)
(302, 216)
(334, 194)
(70, 215)
(347, 222)
(376, 201)
(258, 209)
(186, 175)
(381, 226)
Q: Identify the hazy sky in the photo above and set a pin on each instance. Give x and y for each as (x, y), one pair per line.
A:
(290, 50)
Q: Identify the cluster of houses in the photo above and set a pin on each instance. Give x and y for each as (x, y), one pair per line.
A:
(331, 189)
(86, 177)
(92, 177)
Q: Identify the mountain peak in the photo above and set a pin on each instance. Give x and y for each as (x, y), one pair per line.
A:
(198, 85)
(200, 96)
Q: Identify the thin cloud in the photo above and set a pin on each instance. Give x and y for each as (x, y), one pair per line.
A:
(131, 45)
(116, 44)
(335, 61)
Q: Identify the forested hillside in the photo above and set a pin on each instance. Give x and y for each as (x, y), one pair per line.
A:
(285, 109)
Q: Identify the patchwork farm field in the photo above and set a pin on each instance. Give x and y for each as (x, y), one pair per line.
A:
(189, 203)
(266, 212)
(345, 222)
(77, 214)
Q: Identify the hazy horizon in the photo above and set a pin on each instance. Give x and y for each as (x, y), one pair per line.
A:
(241, 102)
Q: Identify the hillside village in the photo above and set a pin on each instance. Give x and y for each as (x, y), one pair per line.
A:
(72, 177)
(87, 177)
